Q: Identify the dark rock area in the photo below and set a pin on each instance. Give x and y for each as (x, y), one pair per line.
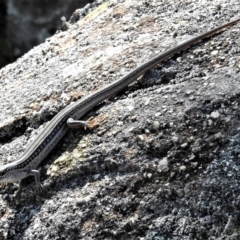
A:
(25, 24)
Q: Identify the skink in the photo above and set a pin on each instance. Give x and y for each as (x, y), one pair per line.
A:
(28, 163)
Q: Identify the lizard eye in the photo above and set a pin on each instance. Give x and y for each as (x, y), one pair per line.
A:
(2, 172)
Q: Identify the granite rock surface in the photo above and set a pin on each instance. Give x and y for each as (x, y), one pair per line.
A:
(164, 162)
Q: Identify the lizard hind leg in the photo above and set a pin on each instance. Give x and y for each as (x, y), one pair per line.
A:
(77, 123)
(90, 123)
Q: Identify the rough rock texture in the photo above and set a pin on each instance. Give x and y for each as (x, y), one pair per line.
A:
(164, 162)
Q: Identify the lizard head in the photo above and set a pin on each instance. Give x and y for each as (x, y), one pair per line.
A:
(3, 174)
(10, 173)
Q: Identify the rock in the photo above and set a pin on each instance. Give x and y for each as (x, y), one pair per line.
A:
(172, 171)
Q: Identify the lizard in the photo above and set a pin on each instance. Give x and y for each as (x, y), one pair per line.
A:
(27, 164)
